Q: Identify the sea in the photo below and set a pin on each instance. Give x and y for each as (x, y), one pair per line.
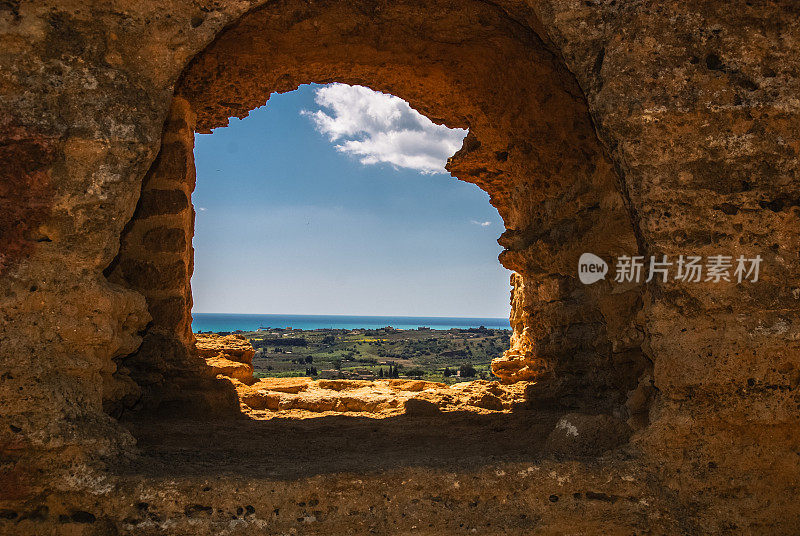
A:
(250, 322)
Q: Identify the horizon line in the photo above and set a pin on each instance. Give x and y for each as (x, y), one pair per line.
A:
(361, 315)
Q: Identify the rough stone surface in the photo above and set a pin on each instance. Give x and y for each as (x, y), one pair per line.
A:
(234, 347)
(612, 127)
(230, 356)
(577, 434)
(304, 397)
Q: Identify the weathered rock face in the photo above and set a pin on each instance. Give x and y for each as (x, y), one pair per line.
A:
(230, 355)
(304, 397)
(233, 347)
(608, 127)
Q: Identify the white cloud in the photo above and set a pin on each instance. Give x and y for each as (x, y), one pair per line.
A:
(481, 223)
(202, 209)
(380, 128)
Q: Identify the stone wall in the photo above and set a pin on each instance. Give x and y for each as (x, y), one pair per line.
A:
(613, 127)
(156, 259)
(697, 105)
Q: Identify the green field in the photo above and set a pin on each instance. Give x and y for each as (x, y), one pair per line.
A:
(445, 356)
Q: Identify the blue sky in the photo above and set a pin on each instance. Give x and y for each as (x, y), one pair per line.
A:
(330, 200)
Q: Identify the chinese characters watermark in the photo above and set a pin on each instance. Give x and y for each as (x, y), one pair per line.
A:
(684, 268)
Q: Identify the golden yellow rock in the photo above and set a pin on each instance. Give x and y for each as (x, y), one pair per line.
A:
(303, 397)
(229, 355)
(232, 347)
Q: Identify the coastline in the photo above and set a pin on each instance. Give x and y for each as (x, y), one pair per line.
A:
(217, 322)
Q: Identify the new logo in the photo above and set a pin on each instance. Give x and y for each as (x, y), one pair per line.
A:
(591, 268)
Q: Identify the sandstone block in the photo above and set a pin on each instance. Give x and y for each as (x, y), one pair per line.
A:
(418, 407)
(284, 385)
(165, 239)
(488, 401)
(161, 202)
